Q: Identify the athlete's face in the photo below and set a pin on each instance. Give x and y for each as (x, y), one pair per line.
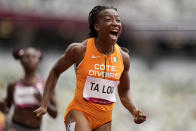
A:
(31, 59)
(108, 25)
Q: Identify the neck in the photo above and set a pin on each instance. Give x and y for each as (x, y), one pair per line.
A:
(104, 47)
(30, 77)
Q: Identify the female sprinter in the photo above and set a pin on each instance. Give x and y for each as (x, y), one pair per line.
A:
(101, 68)
(26, 94)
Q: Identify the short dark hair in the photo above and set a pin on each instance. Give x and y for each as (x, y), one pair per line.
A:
(92, 18)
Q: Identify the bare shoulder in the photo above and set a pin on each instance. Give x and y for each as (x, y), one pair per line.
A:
(76, 47)
(76, 51)
(11, 86)
(126, 59)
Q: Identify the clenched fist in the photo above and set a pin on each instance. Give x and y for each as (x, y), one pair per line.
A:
(139, 117)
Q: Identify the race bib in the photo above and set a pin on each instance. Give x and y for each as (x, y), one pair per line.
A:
(25, 95)
(100, 91)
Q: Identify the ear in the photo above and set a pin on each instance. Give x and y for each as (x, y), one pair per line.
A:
(96, 27)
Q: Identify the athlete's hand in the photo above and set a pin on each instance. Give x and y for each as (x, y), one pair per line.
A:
(139, 117)
(40, 111)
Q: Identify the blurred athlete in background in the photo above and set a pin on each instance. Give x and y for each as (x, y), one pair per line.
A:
(102, 67)
(26, 94)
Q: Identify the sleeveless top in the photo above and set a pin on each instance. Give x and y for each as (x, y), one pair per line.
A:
(24, 94)
(98, 77)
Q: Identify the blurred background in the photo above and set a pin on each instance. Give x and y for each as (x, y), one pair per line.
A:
(161, 36)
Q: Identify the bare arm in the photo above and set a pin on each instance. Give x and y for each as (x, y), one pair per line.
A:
(72, 55)
(124, 86)
(125, 94)
(6, 104)
(52, 106)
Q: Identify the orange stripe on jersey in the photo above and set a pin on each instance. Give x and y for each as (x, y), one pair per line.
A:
(97, 81)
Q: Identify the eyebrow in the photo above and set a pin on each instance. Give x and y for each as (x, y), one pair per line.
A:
(111, 15)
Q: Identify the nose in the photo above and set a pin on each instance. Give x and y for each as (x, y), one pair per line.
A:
(31, 59)
(114, 22)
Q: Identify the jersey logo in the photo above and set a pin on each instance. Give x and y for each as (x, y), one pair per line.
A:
(115, 59)
(95, 56)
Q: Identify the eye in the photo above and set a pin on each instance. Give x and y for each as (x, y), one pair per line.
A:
(118, 20)
(107, 19)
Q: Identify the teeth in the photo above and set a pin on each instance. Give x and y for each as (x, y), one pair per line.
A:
(114, 33)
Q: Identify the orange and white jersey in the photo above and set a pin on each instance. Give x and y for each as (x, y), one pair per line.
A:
(98, 74)
(98, 77)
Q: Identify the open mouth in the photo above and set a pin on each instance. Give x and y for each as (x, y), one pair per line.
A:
(114, 33)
